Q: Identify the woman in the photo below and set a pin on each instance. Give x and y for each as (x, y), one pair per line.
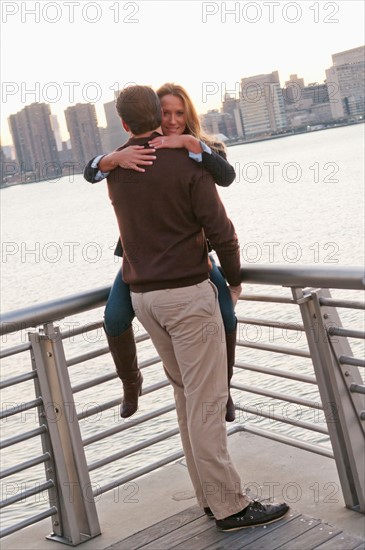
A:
(181, 129)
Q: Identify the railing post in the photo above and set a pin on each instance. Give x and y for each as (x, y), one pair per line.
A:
(77, 519)
(343, 418)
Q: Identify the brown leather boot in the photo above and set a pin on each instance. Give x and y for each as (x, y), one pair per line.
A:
(231, 353)
(124, 353)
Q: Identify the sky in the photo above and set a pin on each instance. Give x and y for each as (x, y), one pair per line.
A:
(70, 51)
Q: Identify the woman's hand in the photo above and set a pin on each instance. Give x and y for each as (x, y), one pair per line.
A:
(181, 141)
(168, 142)
(135, 156)
(132, 157)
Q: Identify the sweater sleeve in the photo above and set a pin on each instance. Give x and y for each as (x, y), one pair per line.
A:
(219, 168)
(218, 228)
(92, 174)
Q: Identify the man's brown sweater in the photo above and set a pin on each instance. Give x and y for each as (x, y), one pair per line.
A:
(165, 215)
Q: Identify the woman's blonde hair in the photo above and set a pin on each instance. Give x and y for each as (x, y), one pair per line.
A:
(193, 126)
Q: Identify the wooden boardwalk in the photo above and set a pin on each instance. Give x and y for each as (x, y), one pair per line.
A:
(192, 530)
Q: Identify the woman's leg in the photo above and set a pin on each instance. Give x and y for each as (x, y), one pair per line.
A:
(230, 327)
(118, 318)
(119, 312)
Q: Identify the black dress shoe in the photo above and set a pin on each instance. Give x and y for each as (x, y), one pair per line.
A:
(256, 513)
(209, 513)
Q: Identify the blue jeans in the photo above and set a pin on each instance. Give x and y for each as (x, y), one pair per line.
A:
(224, 298)
(119, 312)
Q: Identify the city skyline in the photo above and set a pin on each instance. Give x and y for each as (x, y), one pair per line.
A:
(290, 37)
(263, 109)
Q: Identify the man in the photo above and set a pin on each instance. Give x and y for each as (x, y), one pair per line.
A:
(165, 215)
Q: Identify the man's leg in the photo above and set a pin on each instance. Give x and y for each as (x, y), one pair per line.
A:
(164, 347)
(193, 321)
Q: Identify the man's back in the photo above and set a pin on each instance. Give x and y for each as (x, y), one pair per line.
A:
(161, 213)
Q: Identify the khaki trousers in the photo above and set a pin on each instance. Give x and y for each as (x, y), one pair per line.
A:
(186, 327)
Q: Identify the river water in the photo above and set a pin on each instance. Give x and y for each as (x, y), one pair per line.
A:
(296, 200)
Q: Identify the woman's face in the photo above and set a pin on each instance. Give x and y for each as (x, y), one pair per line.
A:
(173, 115)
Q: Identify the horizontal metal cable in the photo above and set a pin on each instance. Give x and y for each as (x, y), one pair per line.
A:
(276, 372)
(277, 395)
(15, 350)
(269, 323)
(18, 379)
(87, 356)
(279, 418)
(137, 473)
(150, 468)
(38, 488)
(133, 449)
(22, 407)
(266, 298)
(111, 376)
(348, 360)
(92, 354)
(97, 409)
(333, 302)
(28, 521)
(94, 382)
(127, 425)
(90, 411)
(357, 388)
(275, 349)
(25, 465)
(337, 331)
(71, 332)
(23, 437)
(318, 449)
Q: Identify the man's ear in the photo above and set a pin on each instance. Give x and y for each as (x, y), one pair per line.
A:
(125, 125)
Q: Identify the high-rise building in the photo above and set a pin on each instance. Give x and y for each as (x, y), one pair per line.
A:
(57, 132)
(294, 88)
(231, 107)
(84, 133)
(218, 124)
(34, 140)
(345, 83)
(9, 151)
(114, 134)
(262, 105)
(306, 105)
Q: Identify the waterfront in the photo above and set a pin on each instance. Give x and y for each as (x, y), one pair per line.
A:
(305, 189)
(59, 238)
(295, 200)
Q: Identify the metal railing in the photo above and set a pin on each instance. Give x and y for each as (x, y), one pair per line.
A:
(64, 449)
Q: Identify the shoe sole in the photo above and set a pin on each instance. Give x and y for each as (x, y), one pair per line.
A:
(252, 525)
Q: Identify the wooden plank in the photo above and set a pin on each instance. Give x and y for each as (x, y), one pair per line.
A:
(313, 538)
(180, 535)
(343, 541)
(161, 528)
(236, 539)
(192, 530)
(284, 534)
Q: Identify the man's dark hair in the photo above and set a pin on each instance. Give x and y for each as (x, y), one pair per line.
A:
(139, 107)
